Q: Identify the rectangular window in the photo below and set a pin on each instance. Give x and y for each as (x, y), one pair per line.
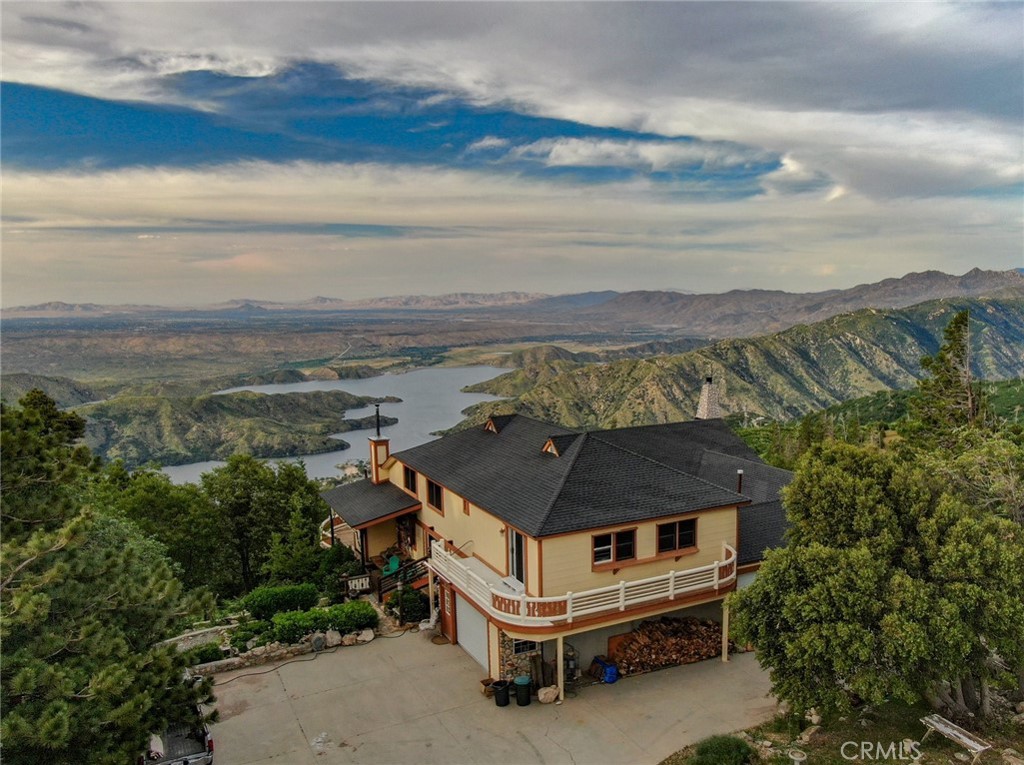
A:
(620, 545)
(410, 479)
(523, 646)
(678, 535)
(435, 495)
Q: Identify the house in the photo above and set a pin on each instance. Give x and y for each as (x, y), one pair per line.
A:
(534, 535)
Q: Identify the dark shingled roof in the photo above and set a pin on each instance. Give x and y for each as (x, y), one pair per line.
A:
(363, 502)
(599, 478)
(762, 527)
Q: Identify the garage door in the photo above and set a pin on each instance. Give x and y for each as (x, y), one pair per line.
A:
(471, 632)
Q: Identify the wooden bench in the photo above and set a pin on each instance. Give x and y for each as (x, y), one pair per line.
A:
(966, 739)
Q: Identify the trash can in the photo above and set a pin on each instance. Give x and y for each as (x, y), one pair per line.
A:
(523, 690)
(500, 688)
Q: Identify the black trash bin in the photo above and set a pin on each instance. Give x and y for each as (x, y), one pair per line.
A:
(500, 688)
(523, 690)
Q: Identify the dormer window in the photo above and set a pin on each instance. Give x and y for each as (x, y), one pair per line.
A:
(550, 448)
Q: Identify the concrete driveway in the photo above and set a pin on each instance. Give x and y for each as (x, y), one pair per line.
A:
(406, 701)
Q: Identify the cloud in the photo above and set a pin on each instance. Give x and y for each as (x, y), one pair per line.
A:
(653, 156)
(290, 231)
(488, 142)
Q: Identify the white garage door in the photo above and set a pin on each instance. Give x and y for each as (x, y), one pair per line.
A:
(471, 631)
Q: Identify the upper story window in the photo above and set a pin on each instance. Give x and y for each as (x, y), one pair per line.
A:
(435, 495)
(677, 535)
(615, 546)
(410, 479)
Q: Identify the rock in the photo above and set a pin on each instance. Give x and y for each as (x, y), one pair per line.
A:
(784, 708)
(365, 636)
(765, 744)
(864, 722)
(1018, 719)
(745, 736)
(1019, 709)
(810, 735)
(813, 717)
(259, 650)
(333, 638)
(1012, 757)
(962, 757)
(350, 639)
(548, 694)
(251, 643)
(318, 641)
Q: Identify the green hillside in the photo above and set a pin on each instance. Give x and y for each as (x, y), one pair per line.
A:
(173, 430)
(781, 376)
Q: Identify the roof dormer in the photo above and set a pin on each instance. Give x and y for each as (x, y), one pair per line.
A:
(495, 423)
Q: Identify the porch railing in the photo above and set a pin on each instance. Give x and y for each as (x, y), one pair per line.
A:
(526, 609)
(405, 574)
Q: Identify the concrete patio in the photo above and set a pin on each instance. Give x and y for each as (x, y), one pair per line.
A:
(405, 700)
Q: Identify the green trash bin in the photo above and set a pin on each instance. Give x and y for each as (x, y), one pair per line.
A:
(522, 684)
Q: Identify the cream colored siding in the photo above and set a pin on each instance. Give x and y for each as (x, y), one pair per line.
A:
(532, 567)
(380, 537)
(568, 559)
(493, 641)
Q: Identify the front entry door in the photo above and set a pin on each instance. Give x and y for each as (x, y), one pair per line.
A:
(447, 611)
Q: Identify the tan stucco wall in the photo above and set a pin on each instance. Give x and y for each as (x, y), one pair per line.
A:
(380, 537)
(568, 559)
(478, 533)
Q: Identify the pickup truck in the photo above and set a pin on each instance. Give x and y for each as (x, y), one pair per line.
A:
(188, 743)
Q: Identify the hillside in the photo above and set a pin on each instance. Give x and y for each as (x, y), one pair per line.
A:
(779, 376)
(742, 313)
(173, 430)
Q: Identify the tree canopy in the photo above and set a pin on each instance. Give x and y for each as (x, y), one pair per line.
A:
(890, 586)
(84, 599)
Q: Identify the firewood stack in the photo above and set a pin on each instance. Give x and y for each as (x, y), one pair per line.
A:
(666, 642)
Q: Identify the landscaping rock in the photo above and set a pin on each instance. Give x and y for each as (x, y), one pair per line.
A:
(333, 638)
(548, 694)
(1012, 757)
(962, 757)
(365, 636)
(318, 641)
(251, 643)
(1018, 719)
(813, 717)
(1019, 709)
(811, 735)
(350, 639)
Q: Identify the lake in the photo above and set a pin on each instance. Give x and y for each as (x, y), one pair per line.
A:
(432, 400)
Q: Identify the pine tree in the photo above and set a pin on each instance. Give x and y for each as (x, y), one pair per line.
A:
(83, 600)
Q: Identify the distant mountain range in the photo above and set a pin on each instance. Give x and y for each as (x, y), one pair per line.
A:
(782, 375)
(738, 313)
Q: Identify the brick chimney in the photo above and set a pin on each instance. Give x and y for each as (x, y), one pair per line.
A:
(708, 407)
(380, 450)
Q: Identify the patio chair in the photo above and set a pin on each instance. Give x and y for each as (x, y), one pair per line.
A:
(391, 566)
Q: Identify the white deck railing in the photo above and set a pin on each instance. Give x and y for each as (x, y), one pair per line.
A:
(526, 609)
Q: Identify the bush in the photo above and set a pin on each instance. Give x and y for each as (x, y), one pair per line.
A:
(292, 626)
(722, 750)
(264, 602)
(415, 606)
(246, 631)
(202, 654)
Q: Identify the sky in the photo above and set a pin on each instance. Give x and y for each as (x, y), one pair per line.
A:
(185, 153)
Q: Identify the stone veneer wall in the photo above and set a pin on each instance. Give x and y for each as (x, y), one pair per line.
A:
(513, 665)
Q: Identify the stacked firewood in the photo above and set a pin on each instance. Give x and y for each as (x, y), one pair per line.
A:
(666, 642)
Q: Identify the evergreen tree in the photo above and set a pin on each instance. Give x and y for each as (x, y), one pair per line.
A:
(889, 587)
(83, 600)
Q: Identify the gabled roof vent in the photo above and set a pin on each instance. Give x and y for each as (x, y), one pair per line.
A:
(497, 422)
(557, 445)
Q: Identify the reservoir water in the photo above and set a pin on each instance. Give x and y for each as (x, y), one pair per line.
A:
(432, 400)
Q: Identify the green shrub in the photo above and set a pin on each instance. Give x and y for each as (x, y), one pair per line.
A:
(415, 606)
(264, 602)
(202, 654)
(254, 628)
(722, 750)
(292, 626)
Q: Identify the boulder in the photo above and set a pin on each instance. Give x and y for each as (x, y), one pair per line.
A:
(350, 639)
(813, 717)
(1012, 757)
(1018, 719)
(318, 641)
(548, 694)
(333, 638)
(1019, 709)
(810, 735)
(365, 636)
(962, 757)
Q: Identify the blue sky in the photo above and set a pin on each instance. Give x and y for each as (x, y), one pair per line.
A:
(192, 152)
